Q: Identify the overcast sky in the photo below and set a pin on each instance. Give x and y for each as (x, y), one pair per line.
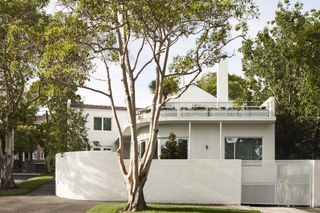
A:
(267, 12)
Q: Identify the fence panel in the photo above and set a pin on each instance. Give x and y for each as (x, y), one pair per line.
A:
(286, 182)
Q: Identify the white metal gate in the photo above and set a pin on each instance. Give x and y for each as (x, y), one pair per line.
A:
(277, 182)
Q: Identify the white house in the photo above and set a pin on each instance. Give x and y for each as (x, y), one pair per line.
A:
(227, 155)
(206, 127)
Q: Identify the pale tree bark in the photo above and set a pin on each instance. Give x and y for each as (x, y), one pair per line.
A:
(7, 181)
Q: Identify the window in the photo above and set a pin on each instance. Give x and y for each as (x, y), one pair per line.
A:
(143, 147)
(107, 124)
(171, 150)
(102, 124)
(41, 155)
(97, 123)
(243, 148)
(34, 156)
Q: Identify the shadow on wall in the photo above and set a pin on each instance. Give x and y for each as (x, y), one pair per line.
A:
(96, 176)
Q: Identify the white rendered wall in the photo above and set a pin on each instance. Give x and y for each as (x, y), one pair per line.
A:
(96, 176)
(106, 138)
(203, 134)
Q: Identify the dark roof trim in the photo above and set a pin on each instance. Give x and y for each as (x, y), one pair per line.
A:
(91, 106)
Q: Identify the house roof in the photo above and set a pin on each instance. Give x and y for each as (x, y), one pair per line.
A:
(91, 106)
(195, 94)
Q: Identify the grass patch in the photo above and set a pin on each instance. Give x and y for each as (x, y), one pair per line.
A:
(27, 186)
(109, 208)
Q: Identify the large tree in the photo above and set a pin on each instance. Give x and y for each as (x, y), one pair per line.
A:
(284, 57)
(240, 89)
(21, 29)
(64, 65)
(122, 32)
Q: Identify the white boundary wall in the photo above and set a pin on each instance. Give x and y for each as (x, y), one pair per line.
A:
(96, 176)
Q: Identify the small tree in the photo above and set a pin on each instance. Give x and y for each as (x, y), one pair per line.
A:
(171, 148)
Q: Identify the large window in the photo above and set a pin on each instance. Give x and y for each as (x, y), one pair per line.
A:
(143, 147)
(102, 124)
(177, 149)
(243, 148)
(165, 150)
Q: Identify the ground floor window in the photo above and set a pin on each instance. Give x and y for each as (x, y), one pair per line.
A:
(143, 147)
(167, 149)
(244, 148)
(173, 149)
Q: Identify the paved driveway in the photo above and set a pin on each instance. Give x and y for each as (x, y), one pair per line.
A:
(43, 200)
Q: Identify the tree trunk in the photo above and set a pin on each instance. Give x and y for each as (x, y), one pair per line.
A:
(49, 167)
(136, 201)
(7, 181)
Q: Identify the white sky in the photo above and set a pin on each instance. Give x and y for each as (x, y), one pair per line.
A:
(267, 12)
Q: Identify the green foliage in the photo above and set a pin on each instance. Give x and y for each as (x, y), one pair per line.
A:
(284, 58)
(172, 149)
(170, 87)
(66, 131)
(240, 89)
(169, 208)
(41, 65)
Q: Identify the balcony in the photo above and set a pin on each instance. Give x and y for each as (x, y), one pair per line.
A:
(213, 111)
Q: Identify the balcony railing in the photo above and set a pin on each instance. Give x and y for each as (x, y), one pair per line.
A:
(209, 110)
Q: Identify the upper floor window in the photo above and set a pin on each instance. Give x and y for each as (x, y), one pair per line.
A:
(102, 123)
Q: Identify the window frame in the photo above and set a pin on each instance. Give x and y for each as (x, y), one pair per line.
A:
(177, 139)
(234, 146)
(34, 155)
(102, 124)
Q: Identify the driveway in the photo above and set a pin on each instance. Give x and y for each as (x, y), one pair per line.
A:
(43, 200)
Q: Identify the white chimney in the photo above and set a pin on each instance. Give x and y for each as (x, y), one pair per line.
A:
(222, 81)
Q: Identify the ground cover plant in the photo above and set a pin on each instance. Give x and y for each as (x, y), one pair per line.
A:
(27, 186)
(109, 208)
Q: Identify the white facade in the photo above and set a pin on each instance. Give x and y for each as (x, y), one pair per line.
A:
(206, 127)
(106, 138)
(198, 119)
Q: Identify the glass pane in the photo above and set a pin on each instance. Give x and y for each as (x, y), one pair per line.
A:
(249, 149)
(142, 148)
(169, 149)
(107, 124)
(182, 149)
(229, 147)
(97, 123)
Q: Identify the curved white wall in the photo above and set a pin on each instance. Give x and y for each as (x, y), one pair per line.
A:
(96, 176)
